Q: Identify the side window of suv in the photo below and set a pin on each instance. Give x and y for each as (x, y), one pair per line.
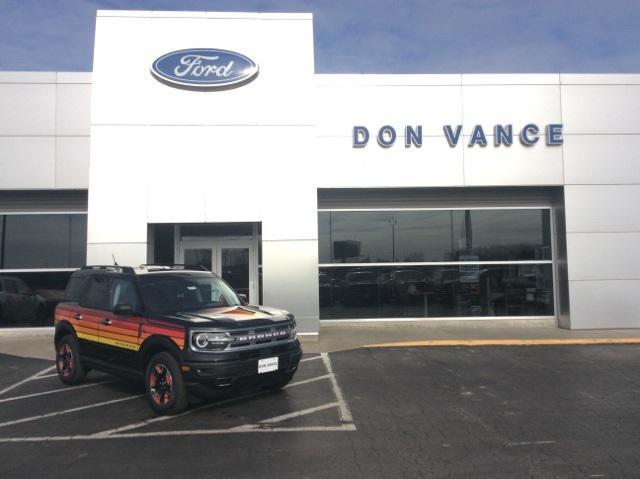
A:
(98, 294)
(124, 292)
(74, 289)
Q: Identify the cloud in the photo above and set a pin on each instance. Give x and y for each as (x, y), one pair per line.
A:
(370, 36)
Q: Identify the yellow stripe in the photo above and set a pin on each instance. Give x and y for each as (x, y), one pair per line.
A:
(506, 342)
(89, 337)
(119, 343)
(111, 342)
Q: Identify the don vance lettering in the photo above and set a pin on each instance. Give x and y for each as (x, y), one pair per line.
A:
(499, 135)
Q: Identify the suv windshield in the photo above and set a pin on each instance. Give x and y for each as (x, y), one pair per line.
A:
(169, 293)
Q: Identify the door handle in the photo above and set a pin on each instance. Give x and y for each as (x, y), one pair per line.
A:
(78, 316)
(106, 321)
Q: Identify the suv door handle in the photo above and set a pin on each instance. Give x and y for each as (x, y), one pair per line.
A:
(106, 321)
(78, 316)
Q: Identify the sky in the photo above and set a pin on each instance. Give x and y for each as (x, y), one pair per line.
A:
(370, 36)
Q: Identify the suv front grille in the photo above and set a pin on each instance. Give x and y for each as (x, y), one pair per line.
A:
(256, 337)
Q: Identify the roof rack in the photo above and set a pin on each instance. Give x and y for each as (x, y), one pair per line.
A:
(111, 267)
(169, 267)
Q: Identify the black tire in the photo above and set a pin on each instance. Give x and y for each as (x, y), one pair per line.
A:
(164, 385)
(68, 361)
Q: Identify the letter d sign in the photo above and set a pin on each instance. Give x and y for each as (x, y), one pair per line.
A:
(360, 136)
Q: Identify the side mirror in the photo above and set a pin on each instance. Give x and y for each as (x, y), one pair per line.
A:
(243, 298)
(123, 309)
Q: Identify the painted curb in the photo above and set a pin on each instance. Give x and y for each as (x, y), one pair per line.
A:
(506, 342)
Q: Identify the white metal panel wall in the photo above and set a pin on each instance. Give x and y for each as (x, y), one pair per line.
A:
(601, 114)
(599, 163)
(432, 101)
(44, 130)
(167, 155)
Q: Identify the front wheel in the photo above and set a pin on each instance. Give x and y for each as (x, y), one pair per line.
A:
(68, 363)
(164, 385)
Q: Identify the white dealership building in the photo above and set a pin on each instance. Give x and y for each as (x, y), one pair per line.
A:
(338, 197)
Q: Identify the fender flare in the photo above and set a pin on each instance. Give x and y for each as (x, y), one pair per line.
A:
(154, 344)
(62, 328)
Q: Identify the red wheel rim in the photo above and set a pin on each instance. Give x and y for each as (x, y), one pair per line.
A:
(65, 360)
(161, 384)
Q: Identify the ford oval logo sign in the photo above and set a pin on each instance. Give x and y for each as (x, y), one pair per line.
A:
(204, 69)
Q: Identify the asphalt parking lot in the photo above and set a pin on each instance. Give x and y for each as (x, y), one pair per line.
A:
(537, 411)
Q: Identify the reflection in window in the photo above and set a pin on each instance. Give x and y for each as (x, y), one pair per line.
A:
(98, 293)
(44, 241)
(498, 235)
(466, 290)
(360, 237)
(29, 298)
(235, 268)
(427, 235)
(438, 235)
(324, 237)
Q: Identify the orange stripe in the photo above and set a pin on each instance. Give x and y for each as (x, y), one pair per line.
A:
(113, 327)
(124, 324)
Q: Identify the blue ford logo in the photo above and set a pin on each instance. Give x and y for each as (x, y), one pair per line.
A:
(204, 69)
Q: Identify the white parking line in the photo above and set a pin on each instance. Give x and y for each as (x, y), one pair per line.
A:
(19, 383)
(153, 420)
(306, 381)
(265, 425)
(304, 412)
(67, 411)
(283, 417)
(529, 443)
(54, 375)
(69, 388)
(310, 359)
(345, 413)
(206, 432)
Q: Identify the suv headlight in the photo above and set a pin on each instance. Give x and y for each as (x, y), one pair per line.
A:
(294, 330)
(211, 341)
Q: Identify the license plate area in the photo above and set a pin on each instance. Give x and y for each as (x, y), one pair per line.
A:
(267, 365)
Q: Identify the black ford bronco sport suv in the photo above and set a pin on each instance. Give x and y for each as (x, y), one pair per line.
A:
(179, 328)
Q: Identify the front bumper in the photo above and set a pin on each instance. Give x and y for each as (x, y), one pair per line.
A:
(223, 373)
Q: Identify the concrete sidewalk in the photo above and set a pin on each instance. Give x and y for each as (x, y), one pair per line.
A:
(352, 335)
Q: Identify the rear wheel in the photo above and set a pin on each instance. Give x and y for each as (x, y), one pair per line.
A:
(164, 385)
(68, 362)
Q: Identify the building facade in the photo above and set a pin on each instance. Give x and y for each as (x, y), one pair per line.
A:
(338, 197)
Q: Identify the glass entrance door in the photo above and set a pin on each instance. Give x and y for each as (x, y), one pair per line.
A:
(235, 261)
(234, 266)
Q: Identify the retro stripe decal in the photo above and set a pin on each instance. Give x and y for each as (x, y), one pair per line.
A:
(121, 333)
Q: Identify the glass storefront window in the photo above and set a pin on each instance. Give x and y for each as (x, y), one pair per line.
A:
(358, 237)
(421, 236)
(465, 238)
(324, 237)
(465, 290)
(508, 235)
(44, 241)
(434, 236)
(29, 298)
